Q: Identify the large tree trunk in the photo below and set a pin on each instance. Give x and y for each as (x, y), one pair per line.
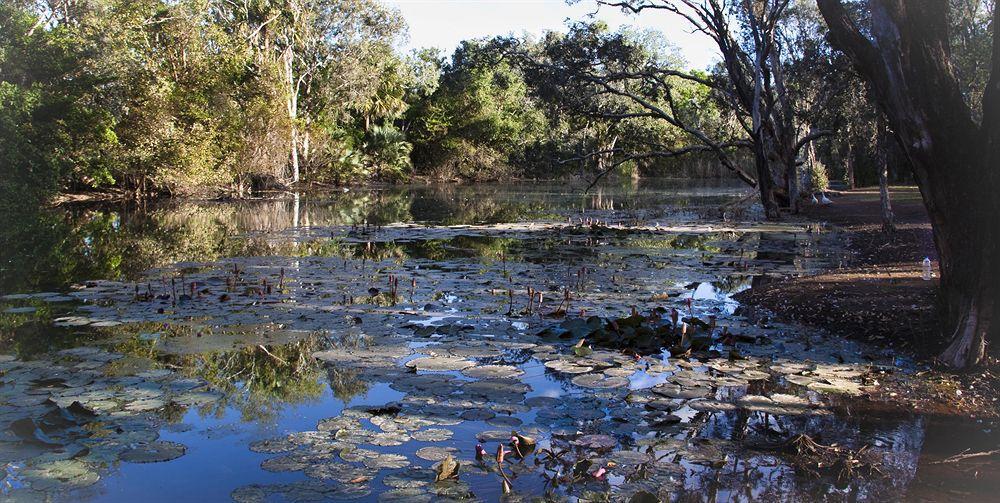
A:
(954, 159)
(765, 184)
(761, 149)
(783, 126)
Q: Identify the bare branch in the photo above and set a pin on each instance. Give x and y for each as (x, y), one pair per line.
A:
(813, 135)
(660, 154)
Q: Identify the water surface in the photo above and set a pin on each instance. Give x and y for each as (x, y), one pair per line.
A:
(336, 346)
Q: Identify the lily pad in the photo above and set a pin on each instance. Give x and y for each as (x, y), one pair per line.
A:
(410, 477)
(432, 435)
(600, 381)
(386, 461)
(596, 442)
(435, 453)
(439, 363)
(493, 371)
(62, 474)
(273, 445)
(341, 472)
(405, 495)
(154, 452)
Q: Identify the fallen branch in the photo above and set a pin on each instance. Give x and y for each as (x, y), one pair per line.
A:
(966, 455)
(272, 355)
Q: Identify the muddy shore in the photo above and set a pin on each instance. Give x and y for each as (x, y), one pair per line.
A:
(879, 295)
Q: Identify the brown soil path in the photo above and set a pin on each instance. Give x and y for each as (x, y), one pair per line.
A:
(880, 296)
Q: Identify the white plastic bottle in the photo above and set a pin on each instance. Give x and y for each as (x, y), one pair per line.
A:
(927, 269)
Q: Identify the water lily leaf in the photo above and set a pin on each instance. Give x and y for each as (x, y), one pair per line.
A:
(410, 478)
(504, 421)
(477, 415)
(493, 436)
(567, 367)
(440, 363)
(833, 385)
(387, 461)
(145, 405)
(61, 474)
(493, 372)
(341, 472)
(405, 495)
(432, 435)
(435, 453)
(154, 452)
(630, 457)
(273, 445)
(596, 442)
(599, 381)
(249, 494)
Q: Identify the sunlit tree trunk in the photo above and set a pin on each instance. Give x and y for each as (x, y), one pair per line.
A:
(293, 109)
(849, 165)
(882, 163)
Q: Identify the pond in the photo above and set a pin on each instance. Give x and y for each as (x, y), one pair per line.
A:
(358, 344)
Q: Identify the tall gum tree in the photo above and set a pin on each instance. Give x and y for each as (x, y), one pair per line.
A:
(953, 151)
(747, 35)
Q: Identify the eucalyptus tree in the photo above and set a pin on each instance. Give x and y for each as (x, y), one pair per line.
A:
(950, 134)
(327, 51)
(610, 87)
(752, 83)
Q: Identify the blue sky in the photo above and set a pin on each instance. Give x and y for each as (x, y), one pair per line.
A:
(444, 23)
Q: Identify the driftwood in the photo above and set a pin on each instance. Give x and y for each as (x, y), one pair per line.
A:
(964, 455)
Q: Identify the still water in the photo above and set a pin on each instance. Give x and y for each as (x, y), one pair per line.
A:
(341, 345)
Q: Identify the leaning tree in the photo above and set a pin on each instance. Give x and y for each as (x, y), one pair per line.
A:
(904, 52)
(749, 37)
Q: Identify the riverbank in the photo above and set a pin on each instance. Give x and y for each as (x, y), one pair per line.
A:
(879, 295)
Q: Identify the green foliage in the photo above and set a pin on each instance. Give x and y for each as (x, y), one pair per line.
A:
(159, 96)
(51, 126)
(818, 177)
(389, 152)
(479, 121)
(209, 96)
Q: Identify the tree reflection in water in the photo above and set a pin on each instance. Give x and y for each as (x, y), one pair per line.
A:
(259, 381)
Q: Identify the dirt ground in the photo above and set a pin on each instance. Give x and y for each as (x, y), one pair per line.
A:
(880, 296)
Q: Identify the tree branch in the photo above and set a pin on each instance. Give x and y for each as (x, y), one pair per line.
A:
(813, 135)
(666, 153)
(991, 95)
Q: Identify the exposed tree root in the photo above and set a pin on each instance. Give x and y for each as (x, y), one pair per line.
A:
(820, 460)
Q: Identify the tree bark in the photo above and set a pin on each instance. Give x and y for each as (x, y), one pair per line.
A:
(765, 179)
(849, 165)
(882, 162)
(954, 159)
(293, 109)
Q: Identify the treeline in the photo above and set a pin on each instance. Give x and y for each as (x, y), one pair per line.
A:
(210, 96)
(157, 96)
(216, 97)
